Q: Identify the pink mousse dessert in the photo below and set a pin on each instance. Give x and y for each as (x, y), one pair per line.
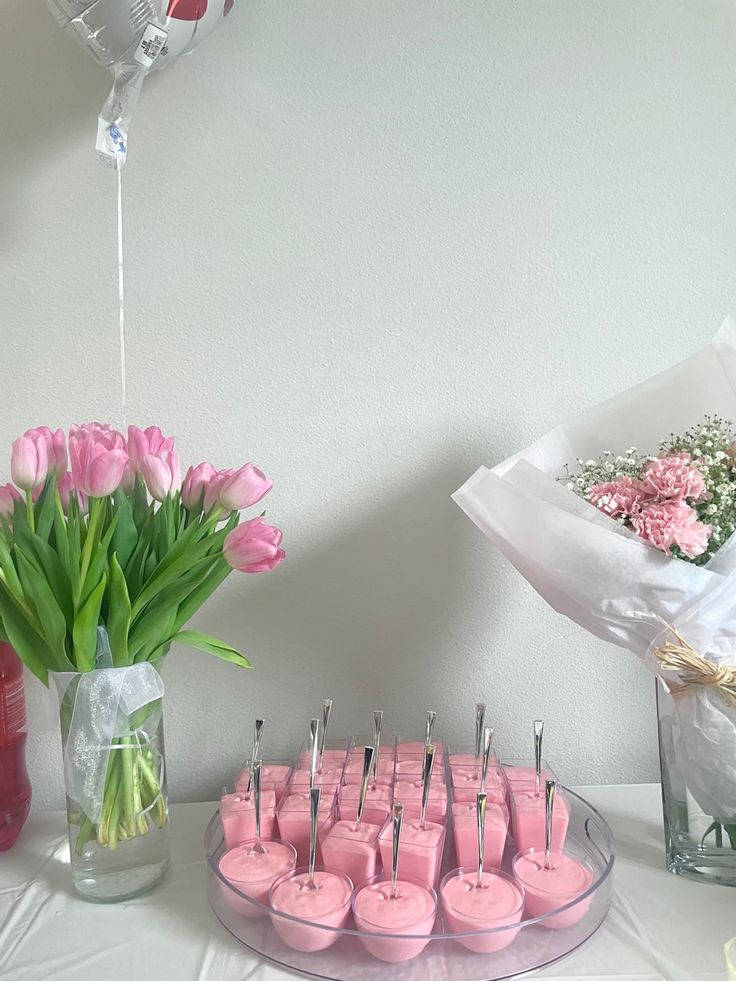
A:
(238, 816)
(377, 803)
(353, 849)
(472, 905)
(384, 770)
(528, 818)
(521, 777)
(416, 749)
(328, 778)
(274, 776)
(549, 889)
(409, 792)
(333, 757)
(421, 851)
(410, 911)
(465, 833)
(469, 778)
(252, 871)
(293, 817)
(326, 903)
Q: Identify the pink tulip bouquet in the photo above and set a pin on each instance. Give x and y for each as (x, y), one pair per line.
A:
(101, 538)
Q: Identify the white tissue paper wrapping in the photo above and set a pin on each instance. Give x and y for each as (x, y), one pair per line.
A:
(105, 700)
(599, 574)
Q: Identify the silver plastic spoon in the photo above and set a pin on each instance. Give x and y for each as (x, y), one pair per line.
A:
(367, 767)
(431, 716)
(313, 734)
(258, 848)
(550, 789)
(480, 715)
(260, 723)
(538, 734)
(397, 814)
(426, 782)
(377, 723)
(480, 811)
(487, 743)
(314, 798)
(326, 713)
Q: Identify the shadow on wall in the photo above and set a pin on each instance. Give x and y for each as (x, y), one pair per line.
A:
(370, 619)
(52, 92)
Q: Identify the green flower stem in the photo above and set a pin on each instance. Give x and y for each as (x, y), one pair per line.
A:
(29, 510)
(112, 786)
(86, 831)
(95, 511)
(127, 805)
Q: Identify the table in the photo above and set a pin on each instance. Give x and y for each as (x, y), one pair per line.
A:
(660, 926)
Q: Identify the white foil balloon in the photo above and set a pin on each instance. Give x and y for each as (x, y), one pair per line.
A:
(132, 38)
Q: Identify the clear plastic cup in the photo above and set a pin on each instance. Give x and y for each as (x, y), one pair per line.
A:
(308, 911)
(275, 776)
(293, 817)
(410, 915)
(252, 873)
(420, 858)
(547, 890)
(238, 815)
(353, 850)
(529, 819)
(499, 902)
(465, 833)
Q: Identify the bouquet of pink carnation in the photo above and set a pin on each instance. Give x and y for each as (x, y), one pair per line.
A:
(643, 554)
(682, 501)
(105, 555)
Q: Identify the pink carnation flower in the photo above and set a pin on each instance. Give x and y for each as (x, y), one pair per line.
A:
(674, 477)
(622, 496)
(672, 523)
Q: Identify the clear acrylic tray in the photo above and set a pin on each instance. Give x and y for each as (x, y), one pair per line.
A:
(589, 839)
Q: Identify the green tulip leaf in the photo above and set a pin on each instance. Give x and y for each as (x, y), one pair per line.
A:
(85, 628)
(118, 616)
(211, 645)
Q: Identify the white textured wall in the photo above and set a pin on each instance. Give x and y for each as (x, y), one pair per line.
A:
(370, 246)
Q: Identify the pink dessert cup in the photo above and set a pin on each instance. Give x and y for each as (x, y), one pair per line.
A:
(410, 916)
(354, 770)
(416, 749)
(238, 816)
(420, 858)
(310, 919)
(557, 888)
(465, 834)
(409, 793)
(528, 820)
(485, 919)
(352, 850)
(251, 874)
(377, 803)
(274, 776)
(293, 819)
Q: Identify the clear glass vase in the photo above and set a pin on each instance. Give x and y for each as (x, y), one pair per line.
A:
(699, 845)
(115, 776)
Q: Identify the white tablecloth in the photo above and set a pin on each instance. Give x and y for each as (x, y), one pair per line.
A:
(659, 927)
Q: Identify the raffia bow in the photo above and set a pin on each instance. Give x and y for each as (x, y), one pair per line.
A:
(695, 670)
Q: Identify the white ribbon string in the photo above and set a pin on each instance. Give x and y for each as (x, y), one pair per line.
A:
(121, 301)
(103, 703)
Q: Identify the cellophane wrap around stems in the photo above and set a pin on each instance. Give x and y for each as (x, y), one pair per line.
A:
(602, 576)
(113, 767)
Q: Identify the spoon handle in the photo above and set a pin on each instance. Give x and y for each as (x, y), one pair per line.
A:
(313, 732)
(377, 723)
(426, 782)
(397, 817)
(480, 811)
(480, 715)
(367, 767)
(326, 713)
(314, 797)
(487, 743)
(550, 789)
(429, 725)
(260, 723)
(538, 734)
(255, 769)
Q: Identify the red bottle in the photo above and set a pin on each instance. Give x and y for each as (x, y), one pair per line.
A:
(15, 787)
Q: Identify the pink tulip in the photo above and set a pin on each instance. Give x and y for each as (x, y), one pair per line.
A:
(98, 460)
(66, 488)
(195, 484)
(142, 442)
(8, 496)
(244, 487)
(254, 547)
(162, 473)
(55, 447)
(29, 462)
(212, 490)
(115, 438)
